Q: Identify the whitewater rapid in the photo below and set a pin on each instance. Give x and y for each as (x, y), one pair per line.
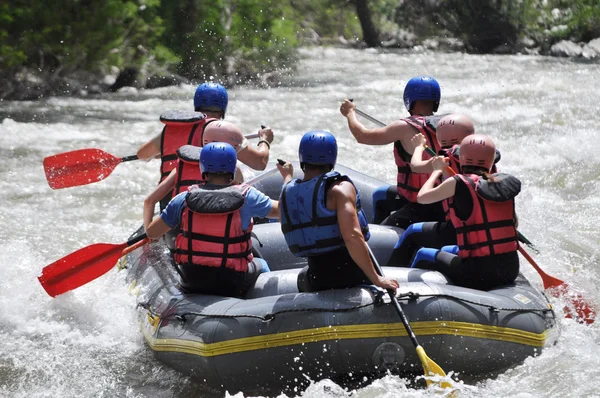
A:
(542, 113)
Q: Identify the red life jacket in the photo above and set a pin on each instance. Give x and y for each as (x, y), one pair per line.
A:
(188, 168)
(490, 228)
(180, 129)
(453, 159)
(211, 229)
(410, 183)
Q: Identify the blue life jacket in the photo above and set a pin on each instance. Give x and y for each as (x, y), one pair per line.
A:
(308, 226)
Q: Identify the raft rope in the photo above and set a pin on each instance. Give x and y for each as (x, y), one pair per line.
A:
(415, 296)
(377, 300)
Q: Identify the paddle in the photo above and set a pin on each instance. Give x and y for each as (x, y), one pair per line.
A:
(84, 166)
(91, 262)
(80, 167)
(431, 368)
(584, 311)
(85, 265)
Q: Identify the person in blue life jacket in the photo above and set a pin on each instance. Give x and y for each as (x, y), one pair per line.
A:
(421, 96)
(213, 250)
(194, 128)
(483, 215)
(321, 220)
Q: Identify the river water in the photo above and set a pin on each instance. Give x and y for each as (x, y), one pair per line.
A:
(542, 113)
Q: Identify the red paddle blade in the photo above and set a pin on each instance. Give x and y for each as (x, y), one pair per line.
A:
(80, 167)
(577, 307)
(80, 267)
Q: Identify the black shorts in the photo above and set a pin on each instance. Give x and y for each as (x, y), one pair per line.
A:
(414, 212)
(331, 270)
(481, 273)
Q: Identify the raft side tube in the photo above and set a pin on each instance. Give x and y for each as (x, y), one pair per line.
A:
(269, 243)
(271, 186)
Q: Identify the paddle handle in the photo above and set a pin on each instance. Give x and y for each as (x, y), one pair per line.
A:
(129, 158)
(254, 135)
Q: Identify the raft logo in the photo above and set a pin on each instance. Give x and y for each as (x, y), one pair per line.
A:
(523, 299)
(388, 357)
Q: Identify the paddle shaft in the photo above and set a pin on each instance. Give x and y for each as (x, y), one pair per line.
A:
(137, 245)
(134, 157)
(549, 281)
(264, 175)
(395, 302)
(369, 117)
(129, 158)
(133, 241)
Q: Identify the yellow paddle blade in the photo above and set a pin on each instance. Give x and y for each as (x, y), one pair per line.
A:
(432, 369)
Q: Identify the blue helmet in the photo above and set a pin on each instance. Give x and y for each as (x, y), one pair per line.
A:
(211, 96)
(218, 157)
(422, 88)
(318, 147)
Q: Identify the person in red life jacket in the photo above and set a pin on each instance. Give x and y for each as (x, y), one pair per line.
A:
(186, 172)
(451, 130)
(483, 215)
(214, 250)
(188, 128)
(422, 98)
(322, 220)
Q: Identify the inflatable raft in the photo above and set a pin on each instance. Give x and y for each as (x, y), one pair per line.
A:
(277, 339)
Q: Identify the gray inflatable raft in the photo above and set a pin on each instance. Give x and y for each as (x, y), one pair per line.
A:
(278, 340)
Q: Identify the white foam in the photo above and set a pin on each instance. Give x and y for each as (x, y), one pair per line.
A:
(541, 112)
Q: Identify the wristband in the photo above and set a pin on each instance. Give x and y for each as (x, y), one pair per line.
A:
(266, 142)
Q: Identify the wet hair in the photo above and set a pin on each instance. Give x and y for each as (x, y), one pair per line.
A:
(412, 108)
(204, 109)
(325, 168)
(480, 171)
(205, 175)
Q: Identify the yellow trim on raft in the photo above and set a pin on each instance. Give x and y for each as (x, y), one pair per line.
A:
(429, 328)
